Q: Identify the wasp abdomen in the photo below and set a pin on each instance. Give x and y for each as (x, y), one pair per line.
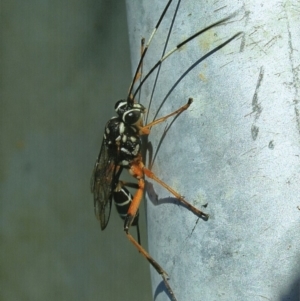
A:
(123, 199)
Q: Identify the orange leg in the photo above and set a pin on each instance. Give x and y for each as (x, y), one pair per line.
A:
(128, 220)
(145, 130)
(137, 171)
(157, 267)
(198, 212)
(135, 204)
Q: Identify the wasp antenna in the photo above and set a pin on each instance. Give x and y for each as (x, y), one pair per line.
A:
(140, 74)
(129, 98)
(178, 47)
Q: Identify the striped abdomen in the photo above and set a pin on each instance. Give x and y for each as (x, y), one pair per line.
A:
(123, 199)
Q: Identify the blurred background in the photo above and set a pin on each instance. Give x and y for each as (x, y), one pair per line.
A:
(63, 66)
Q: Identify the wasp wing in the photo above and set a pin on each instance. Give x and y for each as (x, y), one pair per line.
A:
(102, 183)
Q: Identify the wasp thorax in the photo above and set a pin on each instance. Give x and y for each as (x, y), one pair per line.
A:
(130, 113)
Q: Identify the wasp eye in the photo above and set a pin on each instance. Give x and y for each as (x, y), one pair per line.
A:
(132, 116)
(121, 107)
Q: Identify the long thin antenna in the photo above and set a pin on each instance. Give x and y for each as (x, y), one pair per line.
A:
(129, 99)
(163, 53)
(205, 56)
(175, 49)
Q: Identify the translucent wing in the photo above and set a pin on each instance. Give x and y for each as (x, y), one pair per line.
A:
(102, 183)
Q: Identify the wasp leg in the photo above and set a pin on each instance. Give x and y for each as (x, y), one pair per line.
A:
(198, 212)
(129, 219)
(157, 267)
(145, 130)
(135, 204)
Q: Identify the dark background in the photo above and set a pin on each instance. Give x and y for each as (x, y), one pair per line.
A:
(63, 66)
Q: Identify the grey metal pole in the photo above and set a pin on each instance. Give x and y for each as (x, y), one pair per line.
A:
(236, 149)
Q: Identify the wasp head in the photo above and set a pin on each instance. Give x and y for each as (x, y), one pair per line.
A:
(130, 113)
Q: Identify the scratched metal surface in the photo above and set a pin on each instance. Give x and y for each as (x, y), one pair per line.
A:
(236, 149)
(64, 64)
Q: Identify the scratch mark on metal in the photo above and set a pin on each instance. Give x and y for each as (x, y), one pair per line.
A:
(256, 107)
(295, 72)
(220, 8)
(274, 39)
(194, 227)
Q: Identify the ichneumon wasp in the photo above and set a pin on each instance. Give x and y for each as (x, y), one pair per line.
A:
(121, 149)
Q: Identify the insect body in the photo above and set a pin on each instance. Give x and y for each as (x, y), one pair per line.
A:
(121, 149)
(116, 151)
